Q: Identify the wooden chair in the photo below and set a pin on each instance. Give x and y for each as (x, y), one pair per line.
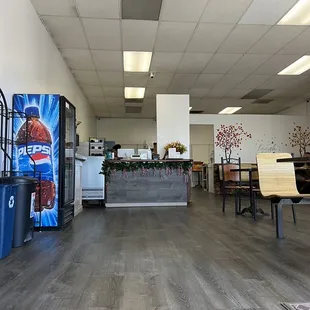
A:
(231, 180)
(277, 182)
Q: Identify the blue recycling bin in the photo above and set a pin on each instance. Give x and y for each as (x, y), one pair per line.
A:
(7, 217)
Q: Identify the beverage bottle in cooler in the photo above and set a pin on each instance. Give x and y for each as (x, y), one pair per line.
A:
(39, 147)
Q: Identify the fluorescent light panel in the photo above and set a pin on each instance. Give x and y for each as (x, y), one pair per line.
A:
(137, 61)
(230, 110)
(134, 92)
(298, 67)
(298, 15)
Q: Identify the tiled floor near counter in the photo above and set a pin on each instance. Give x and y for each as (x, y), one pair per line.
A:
(162, 258)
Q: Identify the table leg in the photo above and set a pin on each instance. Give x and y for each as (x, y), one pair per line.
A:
(252, 202)
(279, 220)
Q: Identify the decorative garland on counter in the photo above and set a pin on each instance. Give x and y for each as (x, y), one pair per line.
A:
(109, 168)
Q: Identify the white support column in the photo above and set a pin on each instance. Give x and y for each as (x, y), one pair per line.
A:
(172, 119)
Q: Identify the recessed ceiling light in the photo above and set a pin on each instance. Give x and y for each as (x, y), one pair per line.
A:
(134, 92)
(298, 67)
(137, 61)
(190, 108)
(230, 110)
(298, 15)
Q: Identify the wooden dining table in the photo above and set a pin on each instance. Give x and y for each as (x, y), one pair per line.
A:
(296, 160)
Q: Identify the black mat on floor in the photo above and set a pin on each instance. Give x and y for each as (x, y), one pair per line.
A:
(296, 306)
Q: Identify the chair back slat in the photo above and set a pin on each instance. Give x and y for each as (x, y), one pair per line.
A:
(230, 176)
(276, 179)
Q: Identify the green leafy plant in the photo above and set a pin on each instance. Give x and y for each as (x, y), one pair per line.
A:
(177, 145)
(134, 166)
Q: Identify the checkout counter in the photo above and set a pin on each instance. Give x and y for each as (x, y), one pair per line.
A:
(142, 182)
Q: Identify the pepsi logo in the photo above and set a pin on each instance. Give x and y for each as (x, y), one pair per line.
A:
(34, 149)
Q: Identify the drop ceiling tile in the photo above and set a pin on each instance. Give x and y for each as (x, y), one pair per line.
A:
(184, 81)
(173, 36)
(86, 77)
(150, 103)
(253, 81)
(225, 11)
(55, 7)
(108, 60)
(198, 92)
(67, 32)
(177, 90)
(115, 102)
(165, 62)
(99, 8)
(92, 91)
(111, 78)
(136, 79)
(298, 46)
(103, 33)
(193, 62)
(249, 63)
(151, 92)
(276, 64)
(208, 37)
(78, 59)
(238, 93)
(222, 63)
(275, 39)
(207, 81)
(117, 92)
(229, 81)
(242, 38)
(217, 93)
(161, 80)
(139, 35)
(182, 10)
(266, 12)
(282, 82)
(97, 101)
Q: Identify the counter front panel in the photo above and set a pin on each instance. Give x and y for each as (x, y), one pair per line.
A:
(148, 187)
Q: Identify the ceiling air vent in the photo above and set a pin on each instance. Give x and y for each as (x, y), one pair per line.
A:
(141, 9)
(129, 109)
(257, 93)
(263, 101)
(196, 112)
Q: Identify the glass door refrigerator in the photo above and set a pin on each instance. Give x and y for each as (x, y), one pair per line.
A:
(44, 147)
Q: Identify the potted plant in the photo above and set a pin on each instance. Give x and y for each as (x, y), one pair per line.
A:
(175, 145)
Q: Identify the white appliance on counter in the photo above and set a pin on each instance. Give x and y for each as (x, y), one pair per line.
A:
(93, 183)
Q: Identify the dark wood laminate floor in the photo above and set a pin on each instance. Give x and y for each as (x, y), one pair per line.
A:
(162, 258)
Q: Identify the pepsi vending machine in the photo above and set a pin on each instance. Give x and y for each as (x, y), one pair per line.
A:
(44, 147)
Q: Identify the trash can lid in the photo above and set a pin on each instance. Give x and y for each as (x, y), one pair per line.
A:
(17, 180)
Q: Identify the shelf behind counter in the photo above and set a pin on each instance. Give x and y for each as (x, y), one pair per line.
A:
(147, 183)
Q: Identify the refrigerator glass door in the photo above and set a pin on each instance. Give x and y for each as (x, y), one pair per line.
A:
(69, 166)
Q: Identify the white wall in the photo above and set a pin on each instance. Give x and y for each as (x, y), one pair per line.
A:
(301, 109)
(31, 63)
(172, 115)
(202, 142)
(270, 133)
(127, 131)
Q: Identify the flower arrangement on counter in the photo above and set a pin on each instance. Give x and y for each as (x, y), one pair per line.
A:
(177, 145)
(147, 168)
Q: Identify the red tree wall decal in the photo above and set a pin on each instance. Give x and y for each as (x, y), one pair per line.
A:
(230, 137)
(300, 137)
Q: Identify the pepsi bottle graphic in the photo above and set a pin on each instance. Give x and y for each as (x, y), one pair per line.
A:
(35, 154)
